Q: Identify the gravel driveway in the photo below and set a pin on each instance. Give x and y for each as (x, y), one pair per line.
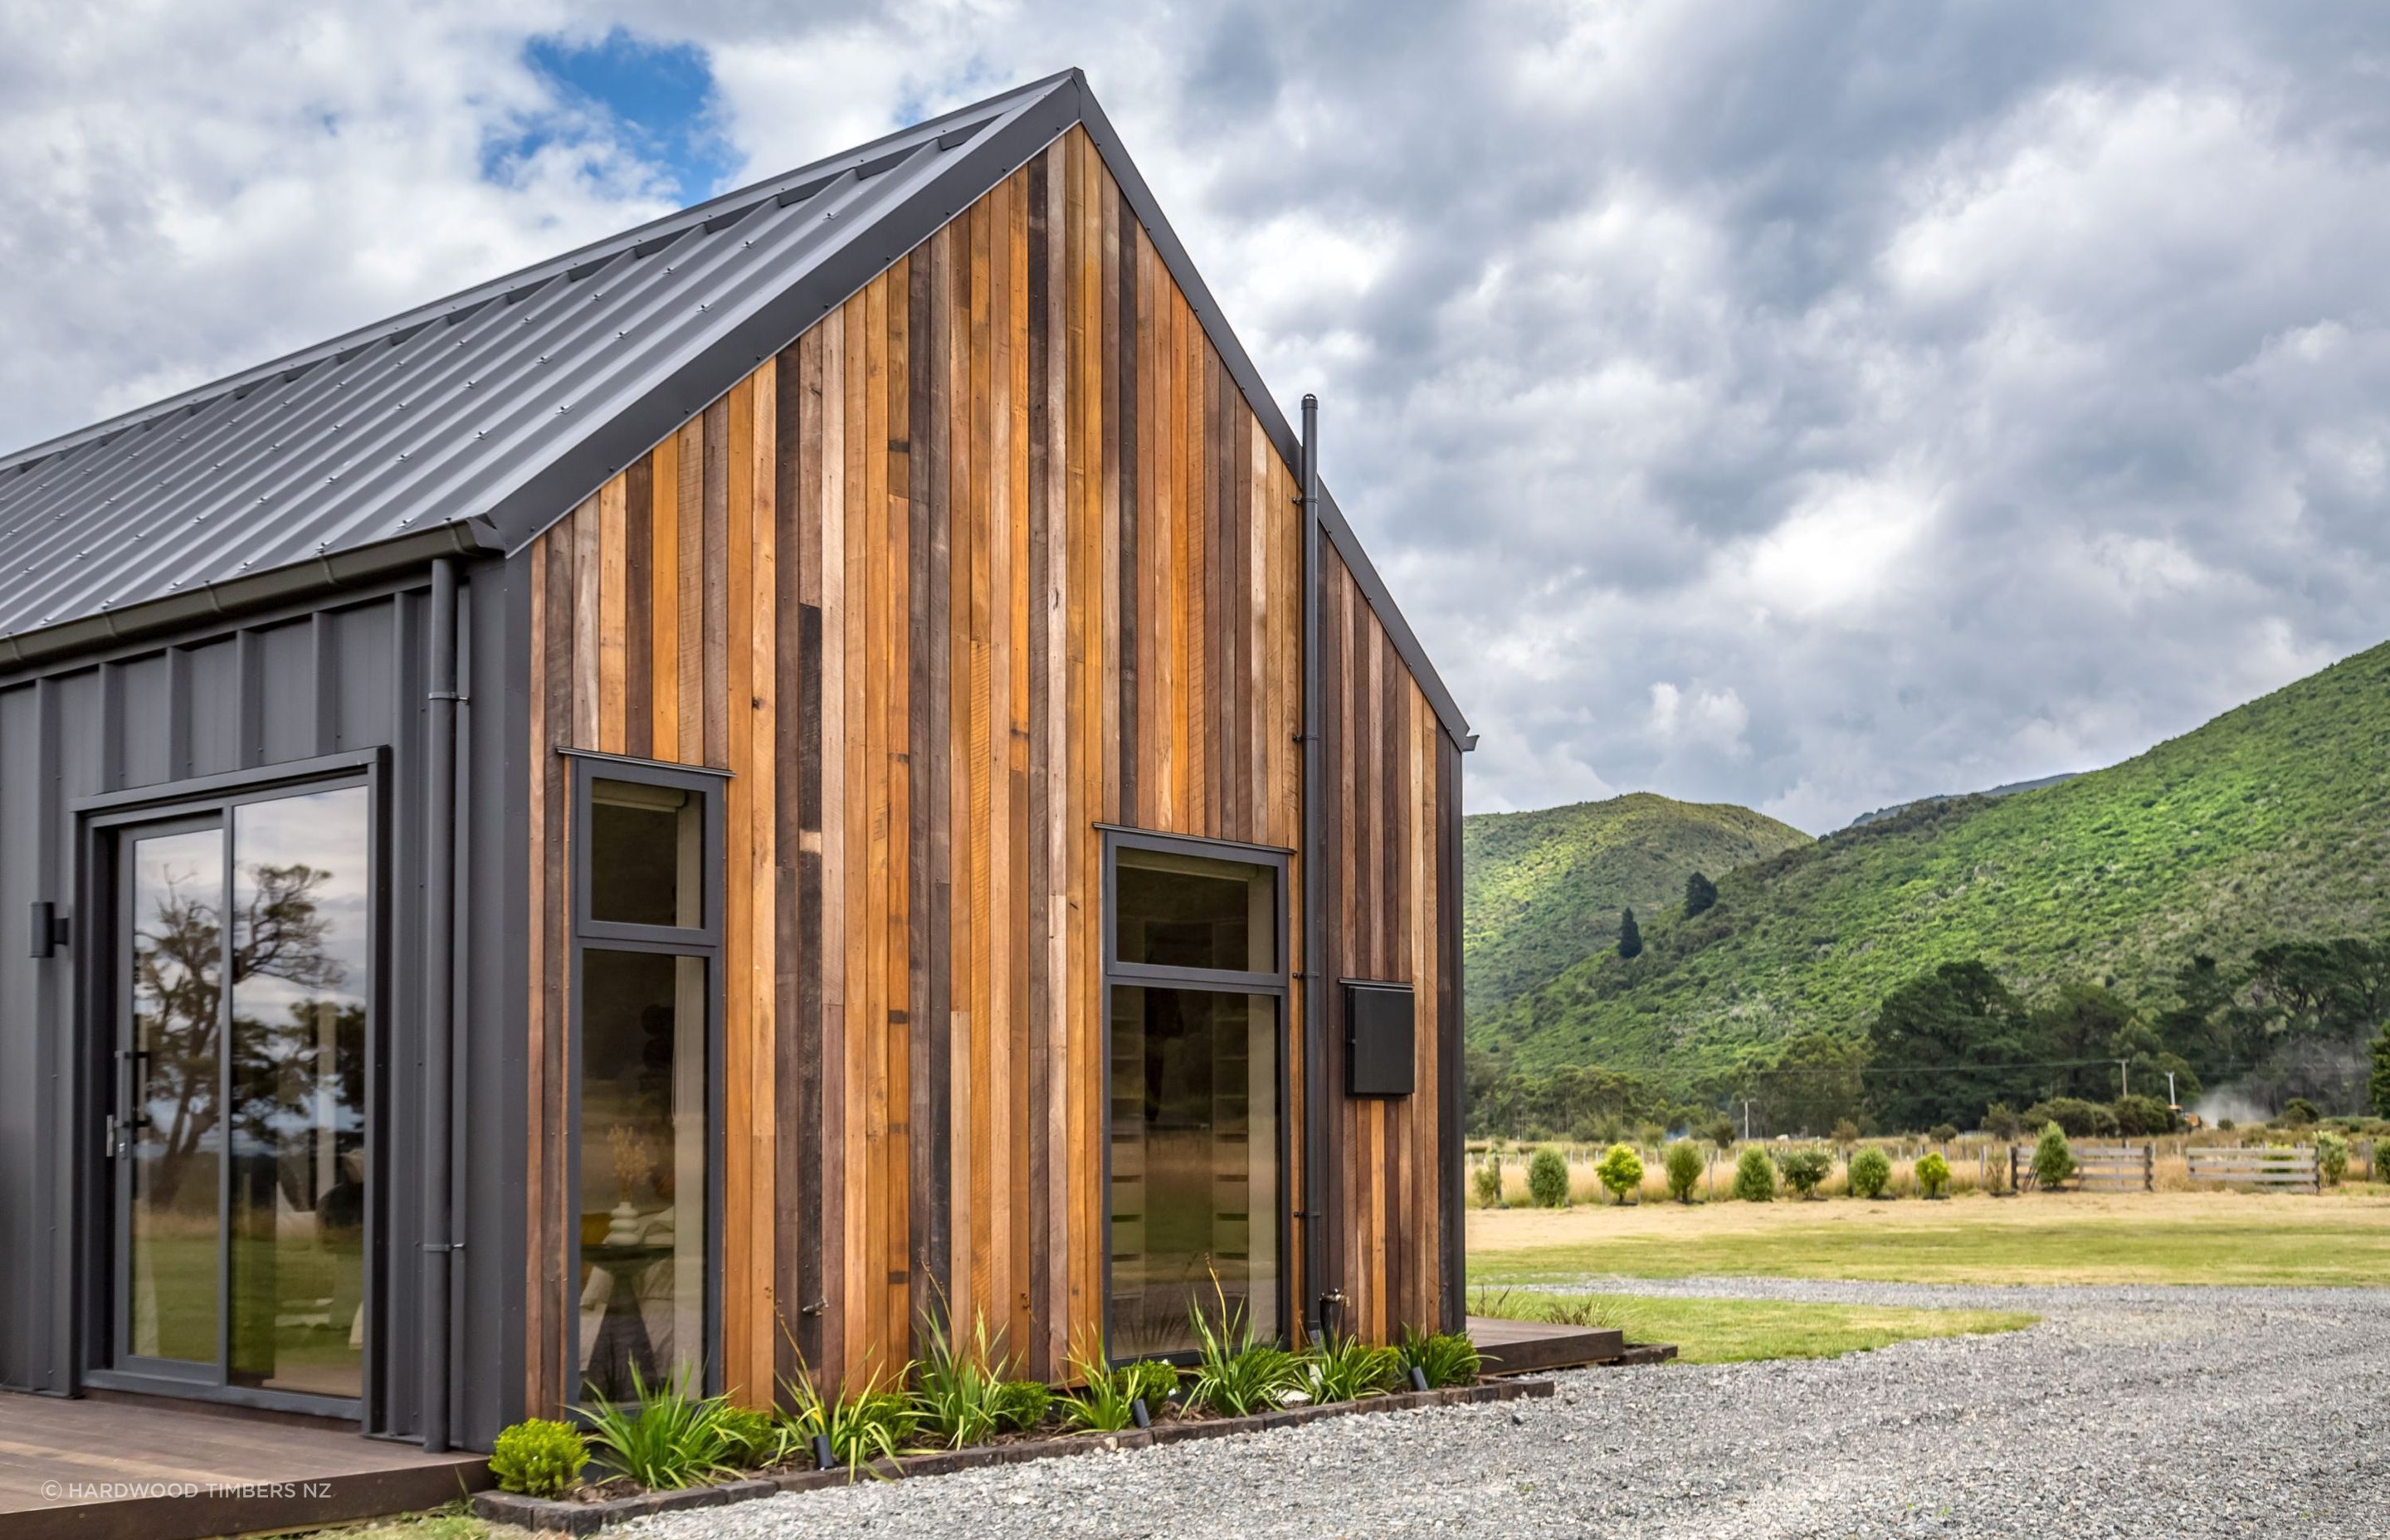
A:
(2128, 1412)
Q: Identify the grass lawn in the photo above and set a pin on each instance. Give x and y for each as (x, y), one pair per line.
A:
(1730, 1332)
(2220, 1238)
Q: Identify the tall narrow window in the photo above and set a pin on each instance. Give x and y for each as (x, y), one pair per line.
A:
(1196, 973)
(648, 945)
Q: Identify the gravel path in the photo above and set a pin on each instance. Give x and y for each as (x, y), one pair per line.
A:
(2128, 1412)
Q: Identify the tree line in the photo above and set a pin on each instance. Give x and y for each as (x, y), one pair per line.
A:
(2301, 1020)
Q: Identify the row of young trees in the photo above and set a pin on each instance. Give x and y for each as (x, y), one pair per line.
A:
(2295, 1020)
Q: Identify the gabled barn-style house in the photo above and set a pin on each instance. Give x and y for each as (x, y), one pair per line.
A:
(821, 761)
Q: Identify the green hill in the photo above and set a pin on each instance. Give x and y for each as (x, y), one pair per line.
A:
(2272, 822)
(1542, 889)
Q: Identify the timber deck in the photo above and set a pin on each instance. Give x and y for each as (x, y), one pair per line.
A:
(1533, 1347)
(159, 1471)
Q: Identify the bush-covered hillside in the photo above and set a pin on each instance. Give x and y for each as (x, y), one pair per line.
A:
(1542, 889)
(2270, 823)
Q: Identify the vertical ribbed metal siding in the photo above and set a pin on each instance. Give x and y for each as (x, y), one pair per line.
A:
(280, 689)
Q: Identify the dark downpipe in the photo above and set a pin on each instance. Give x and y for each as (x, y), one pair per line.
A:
(1315, 889)
(439, 957)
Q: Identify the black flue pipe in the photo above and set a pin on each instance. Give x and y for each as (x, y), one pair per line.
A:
(1314, 906)
(439, 983)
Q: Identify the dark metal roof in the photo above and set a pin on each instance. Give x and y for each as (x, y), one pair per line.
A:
(473, 422)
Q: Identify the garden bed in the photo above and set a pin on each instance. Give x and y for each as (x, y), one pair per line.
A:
(588, 1517)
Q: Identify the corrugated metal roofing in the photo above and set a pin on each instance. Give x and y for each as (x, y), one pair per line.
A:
(495, 410)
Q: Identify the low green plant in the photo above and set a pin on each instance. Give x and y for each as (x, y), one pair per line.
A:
(1621, 1171)
(1683, 1165)
(1346, 1368)
(2053, 1159)
(1870, 1173)
(1237, 1372)
(1846, 1133)
(2001, 1122)
(2332, 1157)
(863, 1425)
(1943, 1133)
(1548, 1179)
(1487, 1182)
(1021, 1405)
(752, 1440)
(666, 1438)
(2299, 1112)
(1933, 1173)
(1722, 1133)
(1754, 1177)
(1102, 1403)
(539, 1458)
(958, 1385)
(1443, 1358)
(1805, 1166)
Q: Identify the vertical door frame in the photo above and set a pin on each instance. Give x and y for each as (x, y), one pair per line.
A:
(101, 822)
(1274, 985)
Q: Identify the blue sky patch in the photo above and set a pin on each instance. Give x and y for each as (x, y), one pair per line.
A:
(655, 98)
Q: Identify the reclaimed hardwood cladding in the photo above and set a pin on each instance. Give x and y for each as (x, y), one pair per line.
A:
(993, 554)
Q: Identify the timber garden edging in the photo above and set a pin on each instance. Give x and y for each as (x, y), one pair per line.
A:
(550, 1516)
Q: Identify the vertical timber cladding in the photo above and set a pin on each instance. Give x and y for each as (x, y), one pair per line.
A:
(991, 554)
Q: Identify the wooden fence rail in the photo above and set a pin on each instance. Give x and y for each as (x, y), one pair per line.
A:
(2116, 1167)
(2257, 1168)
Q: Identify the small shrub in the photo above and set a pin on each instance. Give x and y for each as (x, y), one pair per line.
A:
(1346, 1368)
(1548, 1179)
(1722, 1133)
(2225, 1125)
(1943, 1133)
(2141, 1117)
(2332, 1157)
(1446, 1358)
(1754, 1177)
(1021, 1405)
(1804, 1167)
(751, 1440)
(2299, 1112)
(538, 1458)
(2001, 1122)
(1933, 1173)
(2053, 1159)
(1487, 1182)
(2078, 1119)
(1683, 1165)
(666, 1439)
(1870, 1173)
(1846, 1133)
(1621, 1171)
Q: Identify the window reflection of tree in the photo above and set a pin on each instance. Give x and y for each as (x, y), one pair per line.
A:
(278, 931)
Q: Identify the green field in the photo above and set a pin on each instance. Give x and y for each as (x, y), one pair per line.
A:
(2143, 1239)
(1732, 1331)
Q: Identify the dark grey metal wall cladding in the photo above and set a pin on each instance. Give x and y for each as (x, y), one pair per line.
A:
(278, 688)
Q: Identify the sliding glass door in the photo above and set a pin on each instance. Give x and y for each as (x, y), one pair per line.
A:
(243, 973)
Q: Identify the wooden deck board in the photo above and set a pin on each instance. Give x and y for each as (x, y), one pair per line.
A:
(92, 1470)
(1523, 1347)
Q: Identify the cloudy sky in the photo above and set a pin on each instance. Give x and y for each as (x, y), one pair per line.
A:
(1805, 405)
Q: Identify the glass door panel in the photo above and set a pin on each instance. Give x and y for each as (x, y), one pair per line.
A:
(302, 945)
(1194, 1162)
(173, 1133)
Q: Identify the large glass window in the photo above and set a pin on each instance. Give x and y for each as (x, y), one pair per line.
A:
(648, 955)
(1198, 997)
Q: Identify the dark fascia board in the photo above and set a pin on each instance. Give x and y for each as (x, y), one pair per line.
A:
(962, 178)
(1282, 434)
(249, 592)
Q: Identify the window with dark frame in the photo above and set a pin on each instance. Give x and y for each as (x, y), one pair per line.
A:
(1196, 977)
(646, 939)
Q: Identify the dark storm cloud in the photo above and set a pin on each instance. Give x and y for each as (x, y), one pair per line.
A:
(1809, 406)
